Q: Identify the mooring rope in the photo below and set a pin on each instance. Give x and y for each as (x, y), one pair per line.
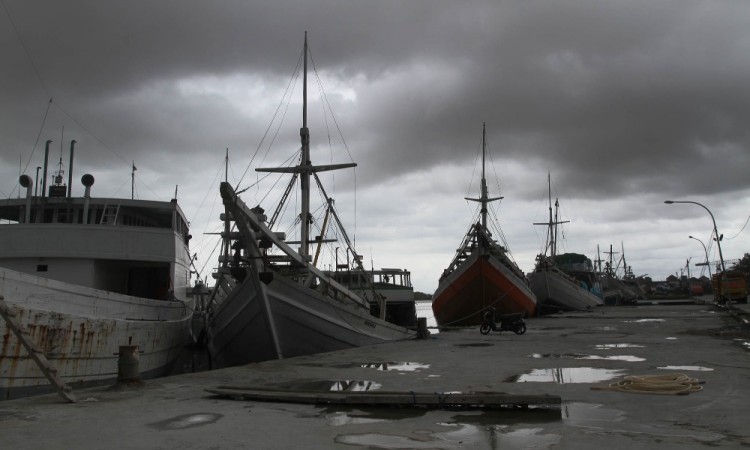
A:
(670, 384)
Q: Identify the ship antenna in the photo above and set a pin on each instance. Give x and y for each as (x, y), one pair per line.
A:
(132, 181)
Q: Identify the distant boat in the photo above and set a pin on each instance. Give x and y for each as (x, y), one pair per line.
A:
(481, 274)
(556, 290)
(581, 268)
(394, 285)
(80, 278)
(618, 290)
(278, 303)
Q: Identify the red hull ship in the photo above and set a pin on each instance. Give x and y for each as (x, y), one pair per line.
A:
(481, 276)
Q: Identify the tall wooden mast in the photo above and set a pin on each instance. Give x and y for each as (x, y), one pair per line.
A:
(484, 198)
(304, 133)
(305, 168)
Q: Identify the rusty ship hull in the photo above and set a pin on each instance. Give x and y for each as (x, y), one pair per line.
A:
(80, 331)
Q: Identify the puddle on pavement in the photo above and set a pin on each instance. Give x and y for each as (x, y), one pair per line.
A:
(596, 417)
(566, 375)
(611, 346)
(456, 435)
(328, 385)
(628, 358)
(338, 416)
(186, 421)
(509, 429)
(645, 321)
(396, 366)
(474, 344)
(671, 338)
(400, 366)
(693, 368)
(589, 414)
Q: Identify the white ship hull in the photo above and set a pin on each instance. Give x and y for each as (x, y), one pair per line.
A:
(555, 290)
(80, 330)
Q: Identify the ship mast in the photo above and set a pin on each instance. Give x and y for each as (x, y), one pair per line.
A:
(484, 198)
(304, 133)
(553, 221)
(484, 178)
(305, 168)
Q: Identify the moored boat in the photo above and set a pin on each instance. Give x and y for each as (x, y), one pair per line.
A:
(556, 290)
(481, 275)
(278, 303)
(83, 276)
(580, 267)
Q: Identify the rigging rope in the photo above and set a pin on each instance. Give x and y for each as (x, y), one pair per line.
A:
(741, 230)
(289, 89)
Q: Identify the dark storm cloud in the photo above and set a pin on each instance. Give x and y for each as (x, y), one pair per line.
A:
(626, 102)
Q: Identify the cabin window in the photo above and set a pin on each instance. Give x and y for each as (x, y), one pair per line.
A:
(41, 267)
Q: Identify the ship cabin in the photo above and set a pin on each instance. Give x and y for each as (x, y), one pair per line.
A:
(394, 284)
(132, 247)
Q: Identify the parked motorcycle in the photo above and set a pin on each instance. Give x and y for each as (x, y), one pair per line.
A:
(508, 322)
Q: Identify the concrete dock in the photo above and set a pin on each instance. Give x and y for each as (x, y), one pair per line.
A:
(564, 355)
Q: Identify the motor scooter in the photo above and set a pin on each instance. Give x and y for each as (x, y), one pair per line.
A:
(508, 322)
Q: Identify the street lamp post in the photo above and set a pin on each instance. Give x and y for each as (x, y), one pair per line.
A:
(706, 252)
(716, 232)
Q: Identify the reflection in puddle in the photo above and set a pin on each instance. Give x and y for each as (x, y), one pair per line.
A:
(609, 346)
(670, 338)
(352, 385)
(328, 385)
(556, 355)
(187, 421)
(338, 416)
(397, 366)
(694, 368)
(566, 375)
(644, 320)
(628, 358)
(385, 366)
(475, 344)
(582, 414)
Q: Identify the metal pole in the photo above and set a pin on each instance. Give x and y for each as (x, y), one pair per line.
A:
(706, 252)
(718, 244)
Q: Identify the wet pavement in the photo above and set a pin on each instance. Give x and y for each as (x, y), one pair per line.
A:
(563, 354)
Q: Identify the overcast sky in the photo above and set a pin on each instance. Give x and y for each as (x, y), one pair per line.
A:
(625, 103)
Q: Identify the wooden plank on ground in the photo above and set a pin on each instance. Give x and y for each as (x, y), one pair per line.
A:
(389, 398)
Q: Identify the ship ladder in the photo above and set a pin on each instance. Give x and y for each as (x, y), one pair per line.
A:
(65, 391)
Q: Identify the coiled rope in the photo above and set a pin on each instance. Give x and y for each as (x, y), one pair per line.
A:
(670, 384)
